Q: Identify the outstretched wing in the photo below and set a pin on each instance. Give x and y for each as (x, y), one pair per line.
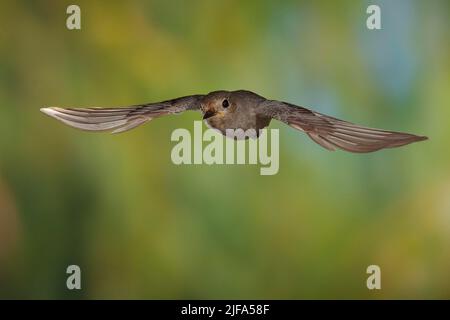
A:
(332, 133)
(118, 120)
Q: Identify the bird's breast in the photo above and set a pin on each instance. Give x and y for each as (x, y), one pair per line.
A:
(248, 124)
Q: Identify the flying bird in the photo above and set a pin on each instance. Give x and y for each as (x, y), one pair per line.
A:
(240, 109)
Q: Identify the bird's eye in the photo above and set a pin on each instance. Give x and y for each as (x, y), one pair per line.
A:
(225, 103)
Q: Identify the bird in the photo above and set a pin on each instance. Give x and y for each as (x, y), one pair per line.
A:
(241, 109)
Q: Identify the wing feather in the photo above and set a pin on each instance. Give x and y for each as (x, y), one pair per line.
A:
(118, 120)
(332, 133)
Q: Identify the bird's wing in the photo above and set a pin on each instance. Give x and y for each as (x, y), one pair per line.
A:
(122, 119)
(332, 133)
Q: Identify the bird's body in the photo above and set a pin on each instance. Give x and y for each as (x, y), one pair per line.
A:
(240, 109)
(242, 113)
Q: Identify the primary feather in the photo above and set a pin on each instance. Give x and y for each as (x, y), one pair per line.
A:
(332, 133)
(91, 119)
(118, 120)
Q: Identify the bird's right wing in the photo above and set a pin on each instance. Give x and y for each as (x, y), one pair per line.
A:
(118, 120)
(332, 133)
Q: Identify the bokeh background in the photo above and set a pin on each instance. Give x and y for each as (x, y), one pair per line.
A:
(141, 227)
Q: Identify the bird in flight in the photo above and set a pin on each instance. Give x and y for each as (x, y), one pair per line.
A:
(240, 109)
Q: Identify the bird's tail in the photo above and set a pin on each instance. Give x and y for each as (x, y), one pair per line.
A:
(114, 120)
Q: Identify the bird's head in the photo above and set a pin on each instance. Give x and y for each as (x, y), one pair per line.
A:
(217, 104)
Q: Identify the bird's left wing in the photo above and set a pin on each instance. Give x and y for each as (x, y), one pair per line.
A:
(122, 119)
(332, 133)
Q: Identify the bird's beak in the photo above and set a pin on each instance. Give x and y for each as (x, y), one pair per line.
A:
(208, 114)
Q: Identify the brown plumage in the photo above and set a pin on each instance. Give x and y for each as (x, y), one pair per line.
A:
(240, 109)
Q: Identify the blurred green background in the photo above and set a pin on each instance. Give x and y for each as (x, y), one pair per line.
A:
(141, 227)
